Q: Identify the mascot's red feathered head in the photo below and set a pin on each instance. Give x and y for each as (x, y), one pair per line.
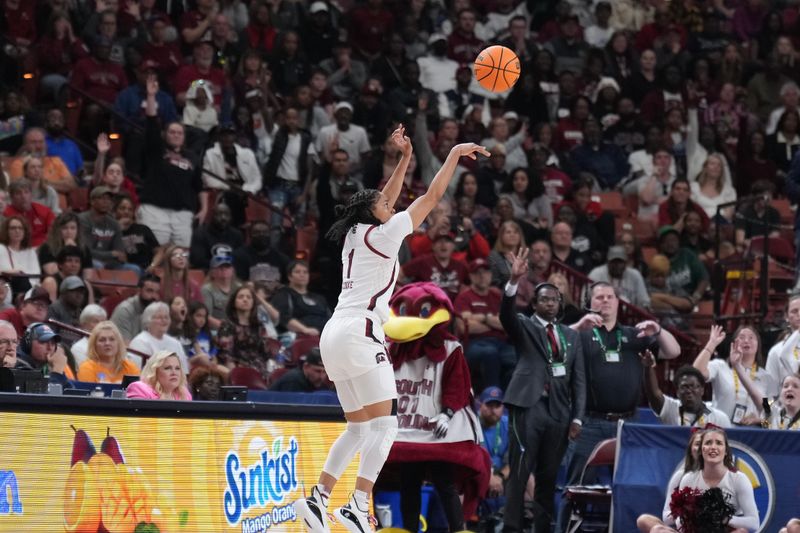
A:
(419, 323)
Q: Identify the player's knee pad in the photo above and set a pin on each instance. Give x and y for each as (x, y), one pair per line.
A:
(345, 447)
(385, 427)
(377, 446)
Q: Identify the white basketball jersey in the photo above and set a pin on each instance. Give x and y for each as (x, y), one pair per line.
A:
(370, 267)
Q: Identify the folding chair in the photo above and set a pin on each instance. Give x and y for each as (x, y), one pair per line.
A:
(591, 506)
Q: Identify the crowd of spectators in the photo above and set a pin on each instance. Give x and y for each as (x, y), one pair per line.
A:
(191, 147)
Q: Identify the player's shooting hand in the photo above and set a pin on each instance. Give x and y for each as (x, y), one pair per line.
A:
(469, 150)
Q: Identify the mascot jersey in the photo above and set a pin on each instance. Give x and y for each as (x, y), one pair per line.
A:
(370, 268)
(419, 392)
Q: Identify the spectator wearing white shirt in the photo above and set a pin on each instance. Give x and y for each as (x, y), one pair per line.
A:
(628, 282)
(500, 134)
(154, 338)
(784, 357)
(349, 137)
(437, 72)
(737, 396)
(231, 168)
(599, 33)
(790, 97)
(688, 409)
(287, 172)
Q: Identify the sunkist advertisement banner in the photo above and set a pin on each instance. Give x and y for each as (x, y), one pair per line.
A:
(93, 474)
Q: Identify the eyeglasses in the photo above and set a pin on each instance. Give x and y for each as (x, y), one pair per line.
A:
(547, 299)
(180, 254)
(8, 342)
(17, 228)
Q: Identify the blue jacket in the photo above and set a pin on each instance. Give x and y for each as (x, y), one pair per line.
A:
(130, 103)
(607, 163)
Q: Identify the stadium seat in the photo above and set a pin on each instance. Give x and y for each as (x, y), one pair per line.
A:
(778, 248)
(276, 374)
(612, 202)
(257, 211)
(244, 376)
(783, 207)
(78, 199)
(302, 345)
(591, 507)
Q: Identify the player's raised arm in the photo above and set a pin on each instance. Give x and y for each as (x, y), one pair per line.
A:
(395, 184)
(423, 205)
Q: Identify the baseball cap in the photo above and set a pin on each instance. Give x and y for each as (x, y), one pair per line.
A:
(313, 357)
(44, 333)
(477, 264)
(220, 260)
(436, 37)
(445, 235)
(342, 105)
(71, 283)
(666, 230)
(37, 293)
(616, 253)
(511, 115)
(491, 394)
(100, 191)
(316, 7)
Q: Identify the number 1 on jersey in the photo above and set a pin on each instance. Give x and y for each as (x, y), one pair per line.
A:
(350, 262)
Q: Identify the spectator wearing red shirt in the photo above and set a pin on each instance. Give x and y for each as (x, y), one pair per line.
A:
(166, 57)
(97, 76)
(39, 217)
(476, 246)
(260, 34)
(488, 352)
(557, 184)
(19, 23)
(201, 69)
(195, 24)
(58, 50)
(673, 211)
(32, 309)
(370, 25)
(438, 267)
(569, 131)
(463, 45)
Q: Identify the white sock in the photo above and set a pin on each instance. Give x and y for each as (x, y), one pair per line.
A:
(345, 448)
(324, 494)
(376, 446)
(362, 500)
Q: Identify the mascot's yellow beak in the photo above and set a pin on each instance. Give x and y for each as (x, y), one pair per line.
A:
(411, 328)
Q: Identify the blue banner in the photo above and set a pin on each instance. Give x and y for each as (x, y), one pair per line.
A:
(649, 455)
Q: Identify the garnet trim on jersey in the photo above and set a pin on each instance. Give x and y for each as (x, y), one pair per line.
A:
(368, 331)
(371, 248)
(374, 300)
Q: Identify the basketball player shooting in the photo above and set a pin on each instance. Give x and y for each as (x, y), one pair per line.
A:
(352, 342)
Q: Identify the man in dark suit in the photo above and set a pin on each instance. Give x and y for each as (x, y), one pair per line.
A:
(545, 397)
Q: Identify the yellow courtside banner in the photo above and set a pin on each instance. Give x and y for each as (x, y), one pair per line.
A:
(94, 474)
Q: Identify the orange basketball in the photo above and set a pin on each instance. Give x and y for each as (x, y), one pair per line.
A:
(497, 68)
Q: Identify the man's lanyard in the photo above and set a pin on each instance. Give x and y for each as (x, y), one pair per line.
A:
(498, 439)
(599, 340)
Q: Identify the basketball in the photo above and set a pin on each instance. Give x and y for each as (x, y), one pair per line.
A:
(497, 68)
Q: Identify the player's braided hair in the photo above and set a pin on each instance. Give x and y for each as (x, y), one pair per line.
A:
(357, 211)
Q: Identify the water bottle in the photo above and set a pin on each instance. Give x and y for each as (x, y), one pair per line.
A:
(98, 393)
